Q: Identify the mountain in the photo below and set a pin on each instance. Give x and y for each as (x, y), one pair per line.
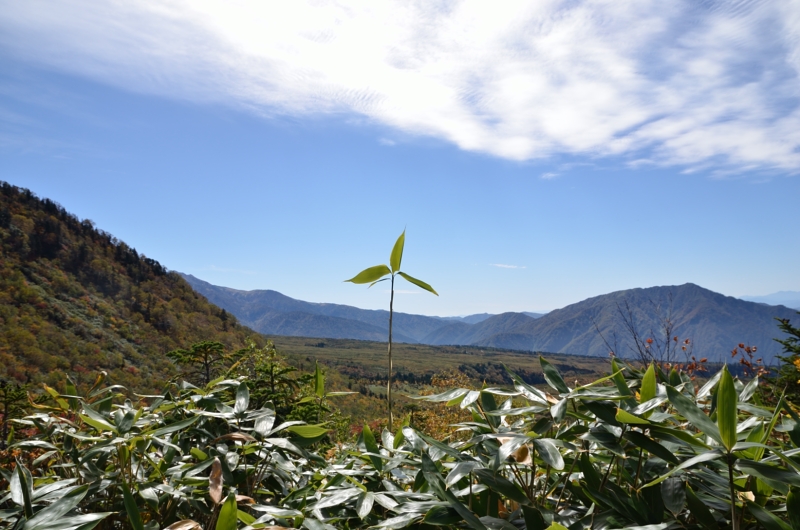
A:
(257, 309)
(714, 323)
(784, 298)
(74, 299)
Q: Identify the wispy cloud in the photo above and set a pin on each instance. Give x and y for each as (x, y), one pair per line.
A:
(503, 266)
(685, 83)
(549, 176)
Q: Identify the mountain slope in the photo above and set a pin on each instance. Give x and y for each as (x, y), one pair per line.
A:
(74, 299)
(252, 306)
(461, 333)
(715, 323)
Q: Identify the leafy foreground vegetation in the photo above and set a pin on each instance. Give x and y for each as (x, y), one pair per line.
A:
(634, 449)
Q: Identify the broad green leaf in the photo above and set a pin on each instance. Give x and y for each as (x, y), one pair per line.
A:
(533, 519)
(768, 472)
(319, 381)
(793, 507)
(767, 519)
(623, 416)
(228, 514)
(434, 479)
(418, 283)
(51, 514)
(651, 446)
(649, 388)
(177, 426)
(673, 491)
(397, 252)
(307, 434)
(689, 410)
(130, 506)
(442, 516)
(502, 485)
(703, 457)
(371, 274)
(727, 399)
(100, 425)
(700, 511)
(552, 376)
(21, 485)
(245, 517)
(372, 447)
(242, 399)
(364, 504)
(556, 526)
(590, 474)
(548, 452)
(622, 385)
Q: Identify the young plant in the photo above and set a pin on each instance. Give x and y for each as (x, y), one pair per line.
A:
(380, 273)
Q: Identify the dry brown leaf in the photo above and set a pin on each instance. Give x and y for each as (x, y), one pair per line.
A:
(186, 524)
(522, 455)
(215, 481)
(244, 499)
(236, 437)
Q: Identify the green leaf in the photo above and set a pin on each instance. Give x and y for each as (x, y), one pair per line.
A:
(673, 491)
(397, 252)
(533, 519)
(434, 479)
(245, 517)
(556, 526)
(319, 381)
(689, 410)
(699, 510)
(649, 387)
(307, 434)
(371, 274)
(549, 453)
(442, 516)
(364, 504)
(100, 425)
(242, 399)
(703, 457)
(130, 506)
(177, 426)
(793, 507)
(502, 485)
(228, 514)
(21, 485)
(623, 416)
(767, 519)
(418, 283)
(768, 472)
(727, 399)
(651, 446)
(372, 447)
(51, 514)
(552, 376)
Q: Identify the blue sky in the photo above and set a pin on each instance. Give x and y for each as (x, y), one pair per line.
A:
(537, 154)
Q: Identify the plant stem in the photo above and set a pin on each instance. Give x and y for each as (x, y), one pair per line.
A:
(734, 522)
(389, 381)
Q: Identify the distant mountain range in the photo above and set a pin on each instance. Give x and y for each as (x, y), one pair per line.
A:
(714, 323)
(786, 298)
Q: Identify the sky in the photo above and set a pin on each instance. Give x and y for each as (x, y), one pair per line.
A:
(536, 153)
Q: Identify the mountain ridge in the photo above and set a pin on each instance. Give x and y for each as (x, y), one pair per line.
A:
(713, 322)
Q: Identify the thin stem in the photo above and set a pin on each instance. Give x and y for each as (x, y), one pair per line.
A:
(734, 522)
(389, 381)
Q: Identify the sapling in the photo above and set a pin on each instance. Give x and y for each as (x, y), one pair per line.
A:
(380, 273)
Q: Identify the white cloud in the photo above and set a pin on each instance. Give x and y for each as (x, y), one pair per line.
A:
(712, 84)
(549, 176)
(502, 266)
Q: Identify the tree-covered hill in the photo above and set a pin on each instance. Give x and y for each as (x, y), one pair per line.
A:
(74, 299)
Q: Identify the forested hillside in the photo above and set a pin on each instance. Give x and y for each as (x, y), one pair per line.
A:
(74, 299)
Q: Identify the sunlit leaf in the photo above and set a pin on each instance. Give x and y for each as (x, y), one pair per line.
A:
(228, 514)
(397, 252)
(215, 481)
(727, 399)
(371, 274)
(553, 377)
(372, 446)
(418, 283)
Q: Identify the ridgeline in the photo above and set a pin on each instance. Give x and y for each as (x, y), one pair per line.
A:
(74, 299)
